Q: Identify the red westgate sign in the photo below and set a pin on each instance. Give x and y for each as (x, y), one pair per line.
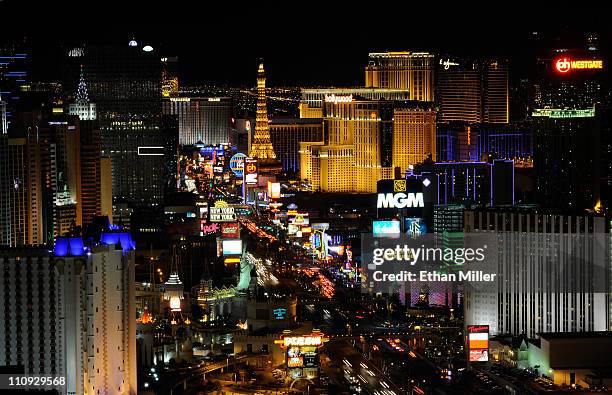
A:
(565, 64)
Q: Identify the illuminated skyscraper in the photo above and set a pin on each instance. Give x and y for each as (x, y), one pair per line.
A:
(414, 136)
(313, 101)
(82, 107)
(473, 90)
(573, 88)
(5, 215)
(411, 71)
(333, 168)
(62, 137)
(384, 135)
(566, 157)
(70, 313)
(206, 120)
(287, 133)
(125, 83)
(496, 101)
(91, 193)
(14, 65)
(3, 121)
(25, 189)
(551, 264)
(484, 184)
(106, 188)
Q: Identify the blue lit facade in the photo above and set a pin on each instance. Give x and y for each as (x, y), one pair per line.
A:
(69, 246)
(504, 141)
(123, 238)
(480, 183)
(473, 142)
(74, 246)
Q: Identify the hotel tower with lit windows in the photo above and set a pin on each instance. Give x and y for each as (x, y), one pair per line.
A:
(367, 141)
(410, 71)
(375, 132)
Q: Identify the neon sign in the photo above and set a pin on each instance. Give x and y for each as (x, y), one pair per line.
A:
(208, 229)
(447, 63)
(333, 98)
(400, 200)
(279, 313)
(303, 341)
(565, 65)
(564, 112)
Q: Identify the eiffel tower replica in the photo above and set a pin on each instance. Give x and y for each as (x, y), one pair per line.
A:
(261, 148)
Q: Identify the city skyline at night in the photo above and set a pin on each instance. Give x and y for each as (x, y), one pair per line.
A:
(341, 199)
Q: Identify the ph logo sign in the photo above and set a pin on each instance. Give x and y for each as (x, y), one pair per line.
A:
(563, 65)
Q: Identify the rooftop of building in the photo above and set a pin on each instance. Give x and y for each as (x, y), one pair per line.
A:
(576, 335)
(391, 54)
(295, 121)
(196, 98)
(351, 89)
(536, 209)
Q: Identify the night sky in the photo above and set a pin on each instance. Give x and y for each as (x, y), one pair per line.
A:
(306, 43)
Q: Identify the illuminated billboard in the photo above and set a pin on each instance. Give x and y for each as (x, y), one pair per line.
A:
(232, 247)
(302, 357)
(208, 228)
(175, 303)
(566, 64)
(403, 196)
(415, 226)
(230, 230)
(400, 200)
(237, 164)
(250, 171)
(389, 229)
(274, 190)
(478, 343)
(279, 313)
(222, 212)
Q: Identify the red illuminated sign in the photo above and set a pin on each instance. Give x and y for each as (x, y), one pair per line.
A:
(565, 64)
(230, 230)
(478, 343)
(208, 228)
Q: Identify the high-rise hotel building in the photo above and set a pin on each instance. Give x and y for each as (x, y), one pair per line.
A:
(567, 151)
(206, 120)
(5, 206)
(414, 131)
(553, 269)
(411, 71)
(125, 83)
(313, 101)
(286, 135)
(473, 90)
(14, 78)
(71, 313)
(24, 162)
(384, 135)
